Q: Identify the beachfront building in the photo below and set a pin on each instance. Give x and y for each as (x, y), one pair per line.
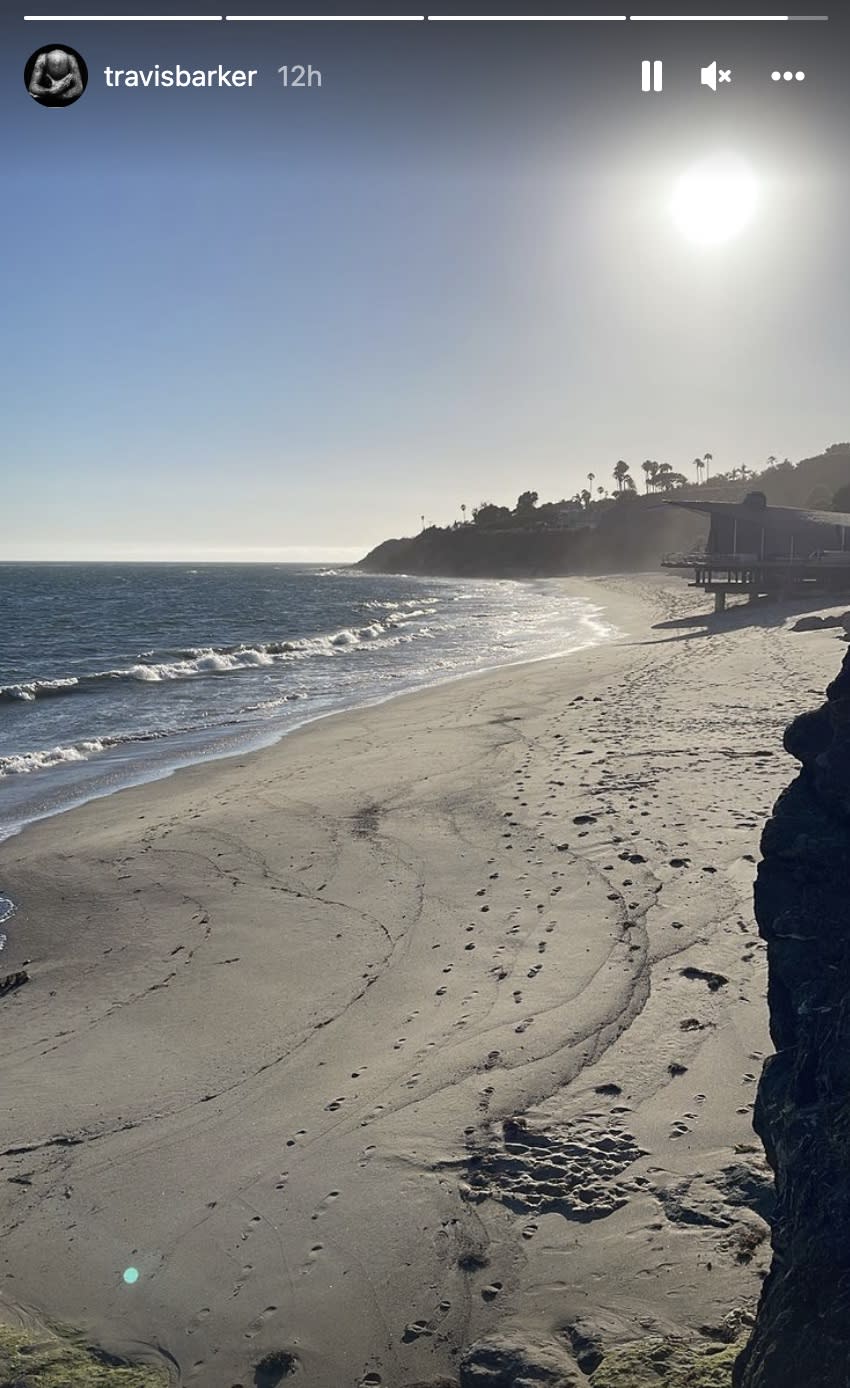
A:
(768, 551)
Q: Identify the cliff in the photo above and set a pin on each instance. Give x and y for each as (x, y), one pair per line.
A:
(802, 1332)
(629, 535)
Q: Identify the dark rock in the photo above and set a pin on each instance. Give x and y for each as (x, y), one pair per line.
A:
(501, 1362)
(815, 623)
(274, 1367)
(713, 980)
(802, 1331)
(12, 981)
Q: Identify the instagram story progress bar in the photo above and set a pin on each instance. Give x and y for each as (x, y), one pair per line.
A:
(414, 18)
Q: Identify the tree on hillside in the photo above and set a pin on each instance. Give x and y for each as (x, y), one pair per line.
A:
(699, 465)
(707, 458)
(838, 448)
(666, 479)
(841, 500)
(591, 477)
(600, 491)
(648, 467)
(629, 489)
(586, 498)
(621, 469)
(489, 514)
(525, 505)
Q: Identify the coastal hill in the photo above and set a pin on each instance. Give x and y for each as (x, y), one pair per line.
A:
(587, 534)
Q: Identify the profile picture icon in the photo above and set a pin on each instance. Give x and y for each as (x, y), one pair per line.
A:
(56, 75)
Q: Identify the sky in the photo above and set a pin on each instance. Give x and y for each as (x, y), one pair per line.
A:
(288, 324)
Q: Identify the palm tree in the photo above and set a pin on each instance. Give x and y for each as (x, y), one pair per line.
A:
(771, 462)
(586, 498)
(463, 512)
(591, 477)
(621, 468)
(647, 467)
(600, 491)
(744, 471)
(707, 458)
(699, 465)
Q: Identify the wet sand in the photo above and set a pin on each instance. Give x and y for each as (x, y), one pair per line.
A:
(435, 1019)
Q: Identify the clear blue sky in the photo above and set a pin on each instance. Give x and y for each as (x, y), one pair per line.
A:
(252, 324)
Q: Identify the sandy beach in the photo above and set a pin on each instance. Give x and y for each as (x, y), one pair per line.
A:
(434, 1020)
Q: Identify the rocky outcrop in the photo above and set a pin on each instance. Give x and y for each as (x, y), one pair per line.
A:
(802, 905)
(503, 1362)
(626, 537)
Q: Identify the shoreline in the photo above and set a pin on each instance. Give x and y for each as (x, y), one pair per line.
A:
(285, 992)
(246, 743)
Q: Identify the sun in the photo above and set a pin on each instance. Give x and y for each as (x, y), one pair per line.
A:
(714, 201)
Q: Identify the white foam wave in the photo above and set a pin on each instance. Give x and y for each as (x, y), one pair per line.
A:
(35, 689)
(25, 762)
(207, 660)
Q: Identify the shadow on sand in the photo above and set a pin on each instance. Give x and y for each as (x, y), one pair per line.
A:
(762, 612)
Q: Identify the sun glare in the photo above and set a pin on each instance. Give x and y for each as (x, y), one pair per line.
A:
(714, 200)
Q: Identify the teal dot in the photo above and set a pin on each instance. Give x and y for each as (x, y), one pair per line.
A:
(131, 1275)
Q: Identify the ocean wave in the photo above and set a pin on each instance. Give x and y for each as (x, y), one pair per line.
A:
(37, 689)
(23, 762)
(211, 660)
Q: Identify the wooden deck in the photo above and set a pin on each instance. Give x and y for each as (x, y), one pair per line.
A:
(824, 577)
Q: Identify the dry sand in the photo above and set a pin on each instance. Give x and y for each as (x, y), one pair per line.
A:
(280, 1007)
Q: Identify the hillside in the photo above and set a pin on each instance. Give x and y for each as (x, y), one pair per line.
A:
(625, 533)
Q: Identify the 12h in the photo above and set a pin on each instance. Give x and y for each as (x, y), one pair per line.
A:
(297, 75)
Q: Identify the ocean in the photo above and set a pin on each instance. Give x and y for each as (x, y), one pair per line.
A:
(111, 674)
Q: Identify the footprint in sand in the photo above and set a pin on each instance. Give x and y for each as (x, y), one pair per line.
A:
(370, 1381)
(541, 946)
(414, 1329)
(310, 1260)
(490, 1293)
(325, 1205)
(366, 1155)
(259, 1321)
(529, 1231)
(242, 1279)
(440, 991)
(397, 1045)
(534, 970)
(524, 1025)
(334, 1105)
(517, 996)
(291, 1141)
(197, 1320)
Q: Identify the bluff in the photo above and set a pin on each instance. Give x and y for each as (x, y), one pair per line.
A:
(629, 535)
(802, 1114)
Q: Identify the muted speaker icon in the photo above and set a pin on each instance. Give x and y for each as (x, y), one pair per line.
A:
(711, 75)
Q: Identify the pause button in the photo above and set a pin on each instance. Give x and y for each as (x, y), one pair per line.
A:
(650, 75)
